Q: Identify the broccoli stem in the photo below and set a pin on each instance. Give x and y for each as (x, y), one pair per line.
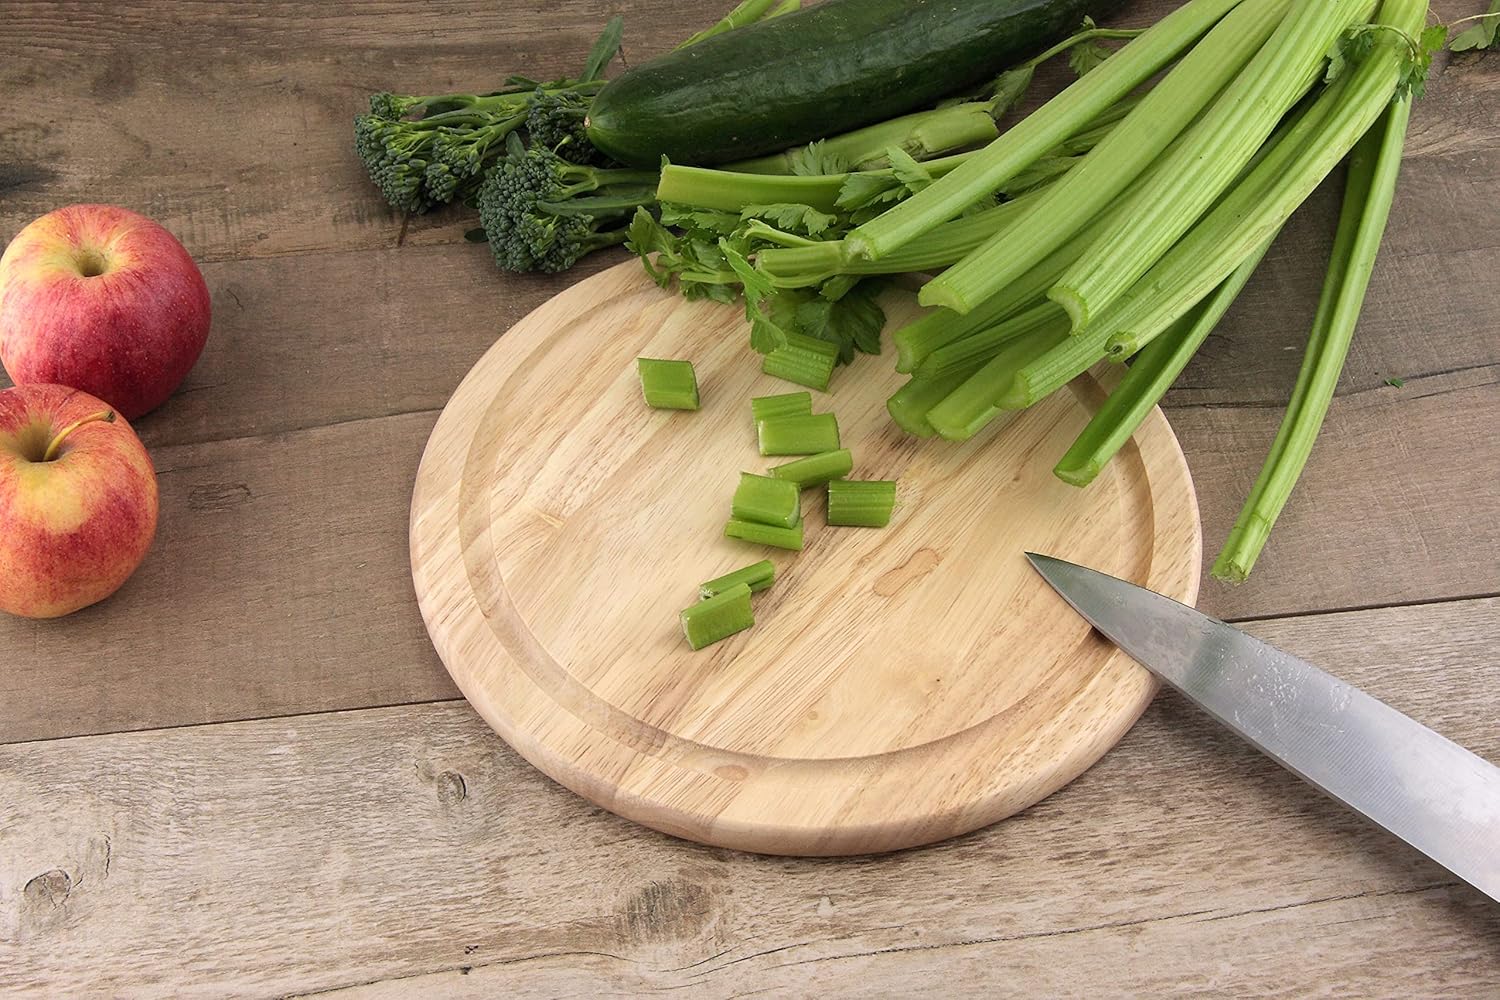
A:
(1373, 168)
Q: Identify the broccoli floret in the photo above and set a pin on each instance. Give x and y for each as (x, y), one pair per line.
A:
(425, 151)
(533, 209)
(396, 156)
(556, 121)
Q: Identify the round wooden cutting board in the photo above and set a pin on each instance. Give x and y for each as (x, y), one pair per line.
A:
(900, 685)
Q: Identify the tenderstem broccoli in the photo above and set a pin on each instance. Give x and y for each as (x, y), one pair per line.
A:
(441, 156)
(542, 212)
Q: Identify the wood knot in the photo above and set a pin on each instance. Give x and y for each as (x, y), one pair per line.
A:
(663, 911)
(732, 772)
(49, 889)
(451, 788)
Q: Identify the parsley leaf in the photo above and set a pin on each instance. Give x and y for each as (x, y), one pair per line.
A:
(1482, 34)
(767, 329)
(1395, 382)
(1088, 54)
(853, 321)
(1009, 87)
(792, 217)
(814, 160)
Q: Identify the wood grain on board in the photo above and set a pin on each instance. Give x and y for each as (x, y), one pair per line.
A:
(296, 855)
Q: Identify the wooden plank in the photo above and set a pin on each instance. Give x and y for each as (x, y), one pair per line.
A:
(304, 854)
(232, 128)
(279, 582)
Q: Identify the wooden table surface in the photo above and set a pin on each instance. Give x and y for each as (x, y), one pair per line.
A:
(248, 774)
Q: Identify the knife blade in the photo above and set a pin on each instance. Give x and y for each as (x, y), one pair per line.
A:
(1432, 793)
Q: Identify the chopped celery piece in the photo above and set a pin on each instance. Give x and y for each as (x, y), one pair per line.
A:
(788, 404)
(803, 360)
(815, 470)
(718, 617)
(765, 500)
(765, 534)
(802, 435)
(756, 576)
(863, 503)
(668, 385)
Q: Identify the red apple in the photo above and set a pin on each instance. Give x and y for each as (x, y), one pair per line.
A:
(77, 501)
(104, 300)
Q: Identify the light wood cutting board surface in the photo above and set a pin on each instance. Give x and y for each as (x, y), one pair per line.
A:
(900, 686)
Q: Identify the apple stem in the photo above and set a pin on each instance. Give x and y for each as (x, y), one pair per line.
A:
(108, 416)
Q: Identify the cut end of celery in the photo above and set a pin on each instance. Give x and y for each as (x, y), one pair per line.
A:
(717, 617)
(1228, 571)
(1073, 305)
(859, 248)
(938, 295)
(1077, 475)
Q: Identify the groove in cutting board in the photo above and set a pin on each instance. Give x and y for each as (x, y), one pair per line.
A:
(900, 686)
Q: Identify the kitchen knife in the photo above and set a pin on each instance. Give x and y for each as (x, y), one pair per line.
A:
(1425, 789)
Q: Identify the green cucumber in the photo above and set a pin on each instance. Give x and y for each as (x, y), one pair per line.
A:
(830, 68)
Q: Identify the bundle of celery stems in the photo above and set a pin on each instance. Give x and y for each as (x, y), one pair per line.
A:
(1134, 248)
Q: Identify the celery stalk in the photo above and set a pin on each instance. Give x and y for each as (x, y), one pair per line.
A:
(1261, 202)
(787, 404)
(1104, 173)
(718, 617)
(910, 404)
(1373, 168)
(815, 470)
(1036, 134)
(969, 352)
(968, 408)
(803, 360)
(668, 385)
(1151, 374)
(1209, 159)
(766, 500)
(863, 503)
(809, 434)
(765, 534)
(756, 576)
